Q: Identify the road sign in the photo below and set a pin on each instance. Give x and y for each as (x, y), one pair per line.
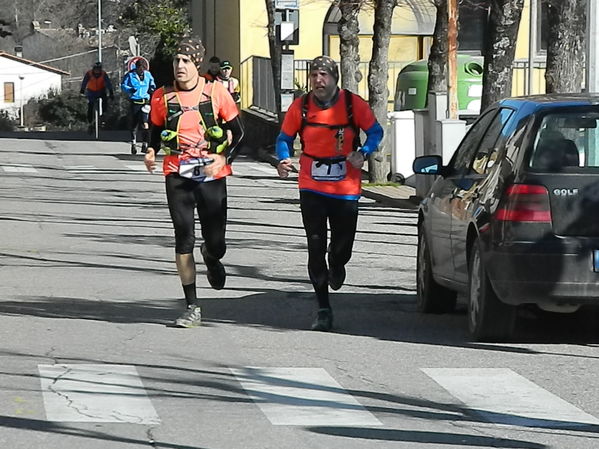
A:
(286, 4)
(132, 61)
(133, 46)
(287, 27)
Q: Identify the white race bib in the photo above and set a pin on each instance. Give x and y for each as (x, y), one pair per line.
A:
(329, 170)
(194, 168)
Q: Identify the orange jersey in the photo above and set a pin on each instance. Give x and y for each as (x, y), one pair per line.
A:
(321, 142)
(190, 131)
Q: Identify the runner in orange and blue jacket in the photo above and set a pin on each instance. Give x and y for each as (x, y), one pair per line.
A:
(328, 121)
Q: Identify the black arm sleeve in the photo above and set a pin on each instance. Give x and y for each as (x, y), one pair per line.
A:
(237, 133)
(155, 137)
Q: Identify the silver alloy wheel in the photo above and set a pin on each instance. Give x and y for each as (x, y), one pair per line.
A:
(474, 293)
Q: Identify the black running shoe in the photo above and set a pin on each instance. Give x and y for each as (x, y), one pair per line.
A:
(323, 321)
(133, 149)
(192, 317)
(144, 147)
(216, 273)
(336, 277)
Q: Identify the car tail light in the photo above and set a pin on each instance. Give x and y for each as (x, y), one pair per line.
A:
(525, 202)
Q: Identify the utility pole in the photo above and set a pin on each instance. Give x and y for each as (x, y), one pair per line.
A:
(100, 30)
(452, 59)
(592, 56)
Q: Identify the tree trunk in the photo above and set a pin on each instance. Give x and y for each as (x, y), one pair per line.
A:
(275, 57)
(349, 42)
(437, 67)
(378, 74)
(500, 49)
(565, 50)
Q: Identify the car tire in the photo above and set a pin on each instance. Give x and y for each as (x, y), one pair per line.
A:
(430, 297)
(489, 319)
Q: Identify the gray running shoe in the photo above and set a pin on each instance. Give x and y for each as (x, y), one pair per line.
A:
(216, 271)
(192, 317)
(324, 320)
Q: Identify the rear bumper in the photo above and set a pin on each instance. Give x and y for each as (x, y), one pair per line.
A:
(551, 272)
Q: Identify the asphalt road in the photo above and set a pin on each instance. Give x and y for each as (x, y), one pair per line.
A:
(88, 357)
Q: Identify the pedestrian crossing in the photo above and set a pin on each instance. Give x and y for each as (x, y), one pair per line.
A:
(302, 396)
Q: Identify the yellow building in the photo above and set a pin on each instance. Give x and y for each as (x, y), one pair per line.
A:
(236, 30)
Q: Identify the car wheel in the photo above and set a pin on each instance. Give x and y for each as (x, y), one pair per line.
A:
(430, 297)
(489, 319)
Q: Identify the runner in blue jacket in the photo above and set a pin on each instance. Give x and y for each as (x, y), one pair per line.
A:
(138, 84)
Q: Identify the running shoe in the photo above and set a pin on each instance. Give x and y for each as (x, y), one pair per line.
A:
(336, 277)
(216, 273)
(324, 320)
(192, 317)
(133, 149)
(144, 147)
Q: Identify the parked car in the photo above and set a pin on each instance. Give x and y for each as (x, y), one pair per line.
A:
(513, 218)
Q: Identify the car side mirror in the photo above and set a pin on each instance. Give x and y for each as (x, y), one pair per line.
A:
(428, 165)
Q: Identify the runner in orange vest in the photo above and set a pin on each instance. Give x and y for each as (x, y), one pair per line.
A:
(328, 121)
(190, 121)
(94, 85)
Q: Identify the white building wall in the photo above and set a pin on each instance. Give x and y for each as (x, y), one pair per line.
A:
(36, 82)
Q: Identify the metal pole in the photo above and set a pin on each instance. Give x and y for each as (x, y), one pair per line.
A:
(100, 30)
(452, 58)
(532, 42)
(21, 121)
(592, 56)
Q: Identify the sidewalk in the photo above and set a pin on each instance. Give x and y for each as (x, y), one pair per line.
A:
(395, 196)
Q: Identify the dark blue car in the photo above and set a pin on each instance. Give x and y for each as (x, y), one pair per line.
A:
(514, 217)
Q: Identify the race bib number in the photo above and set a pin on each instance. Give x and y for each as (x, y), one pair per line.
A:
(194, 168)
(329, 170)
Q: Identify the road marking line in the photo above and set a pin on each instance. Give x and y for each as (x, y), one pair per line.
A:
(95, 393)
(302, 397)
(143, 168)
(504, 397)
(252, 167)
(19, 168)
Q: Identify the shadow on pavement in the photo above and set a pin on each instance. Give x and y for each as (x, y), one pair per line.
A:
(105, 136)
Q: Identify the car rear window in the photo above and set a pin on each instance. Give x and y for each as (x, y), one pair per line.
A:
(565, 141)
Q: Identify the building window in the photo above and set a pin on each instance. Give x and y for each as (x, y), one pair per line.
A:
(9, 92)
(473, 19)
(542, 26)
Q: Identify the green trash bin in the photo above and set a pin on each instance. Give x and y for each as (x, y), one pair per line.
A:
(412, 82)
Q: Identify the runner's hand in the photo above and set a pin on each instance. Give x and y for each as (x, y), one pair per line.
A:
(356, 159)
(284, 168)
(150, 160)
(219, 162)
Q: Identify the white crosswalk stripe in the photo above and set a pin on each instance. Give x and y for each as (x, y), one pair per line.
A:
(302, 397)
(504, 397)
(95, 393)
(19, 168)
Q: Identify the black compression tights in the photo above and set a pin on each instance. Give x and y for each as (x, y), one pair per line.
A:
(342, 216)
(184, 197)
